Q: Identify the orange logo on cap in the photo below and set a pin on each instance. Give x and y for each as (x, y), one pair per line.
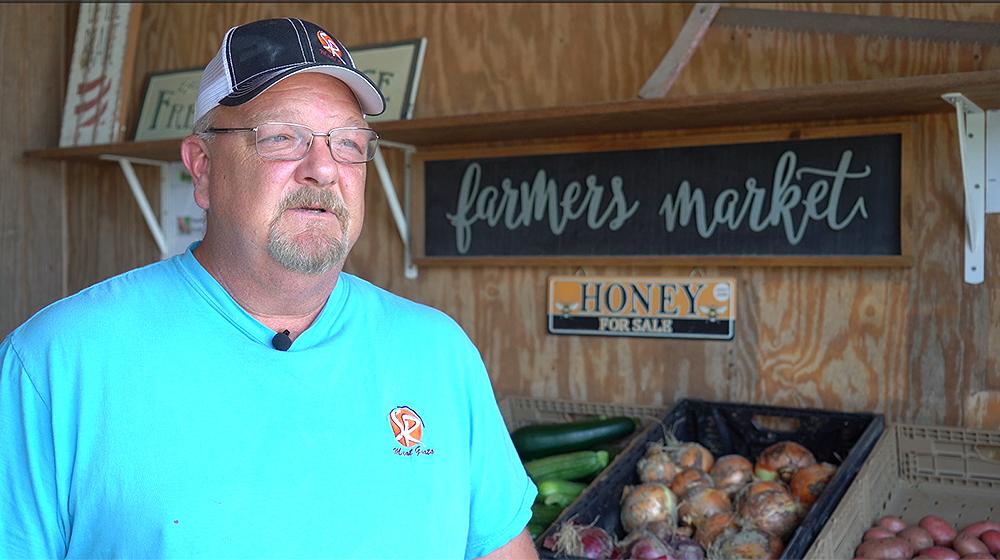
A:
(329, 44)
(406, 425)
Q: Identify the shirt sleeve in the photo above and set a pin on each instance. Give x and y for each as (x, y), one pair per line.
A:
(29, 522)
(502, 493)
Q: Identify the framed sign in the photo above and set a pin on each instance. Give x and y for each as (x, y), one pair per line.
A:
(395, 68)
(169, 101)
(168, 105)
(651, 307)
(832, 196)
(100, 74)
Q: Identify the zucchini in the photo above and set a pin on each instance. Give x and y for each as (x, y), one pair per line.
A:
(540, 440)
(558, 499)
(561, 492)
(556, 486)
(567, 466)
(545, 514)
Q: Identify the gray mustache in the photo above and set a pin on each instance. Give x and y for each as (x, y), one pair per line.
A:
(312, 197)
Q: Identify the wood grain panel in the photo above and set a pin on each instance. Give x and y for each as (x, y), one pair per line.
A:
(913, 343)
(31, 197)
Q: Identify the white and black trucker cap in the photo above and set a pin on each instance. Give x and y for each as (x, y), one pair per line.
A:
(257, 55)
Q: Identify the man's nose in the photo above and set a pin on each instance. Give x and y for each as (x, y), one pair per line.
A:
(318, 166)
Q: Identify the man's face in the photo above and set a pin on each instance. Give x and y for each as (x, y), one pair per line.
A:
(307, 214)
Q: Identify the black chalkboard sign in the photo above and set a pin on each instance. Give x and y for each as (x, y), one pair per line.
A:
(822, 196)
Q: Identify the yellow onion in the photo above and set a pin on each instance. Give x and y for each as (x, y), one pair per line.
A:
(774, 512)
(746, 544)
(693, 455)
(689, 479)
(731, 473)
(657, 467)
(701, 503)
(808, 482)
(781, 460)
(646, 503)
(713, 527)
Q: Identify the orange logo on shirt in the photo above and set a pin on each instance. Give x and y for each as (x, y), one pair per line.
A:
(406, 425)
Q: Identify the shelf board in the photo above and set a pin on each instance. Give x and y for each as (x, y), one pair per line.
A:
(162, 150)
(843, 100)
(890, 97)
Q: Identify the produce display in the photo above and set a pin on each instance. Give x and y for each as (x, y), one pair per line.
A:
(932, 538)
(562, 458)
(691, 505)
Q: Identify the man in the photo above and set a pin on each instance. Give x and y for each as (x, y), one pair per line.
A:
(248, 398)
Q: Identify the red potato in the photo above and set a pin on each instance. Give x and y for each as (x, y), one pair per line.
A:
(893, 548)
(979, 556)
(939, 553)
(891, 523)
(876, 533)
(941, 531)
(918, 537)
(991, 539)
(967, 544)
(979, 528)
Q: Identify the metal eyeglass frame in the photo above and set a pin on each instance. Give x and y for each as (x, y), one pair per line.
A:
(328, 135)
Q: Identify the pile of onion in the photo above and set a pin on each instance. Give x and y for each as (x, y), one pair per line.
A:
(689, 479)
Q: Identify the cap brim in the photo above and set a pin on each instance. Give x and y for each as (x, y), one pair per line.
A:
(369, 97)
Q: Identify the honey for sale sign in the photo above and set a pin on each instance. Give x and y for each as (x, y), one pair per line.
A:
(655, 307)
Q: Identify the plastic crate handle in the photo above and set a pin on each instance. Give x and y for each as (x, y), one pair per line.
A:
(772, 423)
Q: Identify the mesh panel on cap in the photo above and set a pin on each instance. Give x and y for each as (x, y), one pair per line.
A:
(216, 82)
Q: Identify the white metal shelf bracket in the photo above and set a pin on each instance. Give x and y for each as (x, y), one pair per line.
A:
(978, 130)
(140, 195)
(400, 215)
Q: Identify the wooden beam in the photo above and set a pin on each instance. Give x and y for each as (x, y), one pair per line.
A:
(663, 78)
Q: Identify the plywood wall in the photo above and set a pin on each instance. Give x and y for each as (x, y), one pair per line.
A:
(31, 194)
(913, 343)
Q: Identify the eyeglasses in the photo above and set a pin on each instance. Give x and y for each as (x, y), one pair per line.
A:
(290, 142)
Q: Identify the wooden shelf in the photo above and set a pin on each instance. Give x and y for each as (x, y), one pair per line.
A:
(842, 100)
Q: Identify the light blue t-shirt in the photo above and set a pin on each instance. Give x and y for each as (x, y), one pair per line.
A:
(149, 416)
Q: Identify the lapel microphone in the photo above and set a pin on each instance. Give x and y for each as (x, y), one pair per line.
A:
(282, 341)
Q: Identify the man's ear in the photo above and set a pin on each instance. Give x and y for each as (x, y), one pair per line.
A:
(194, 153)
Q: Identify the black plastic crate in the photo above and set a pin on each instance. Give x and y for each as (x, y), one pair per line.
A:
(842, 438)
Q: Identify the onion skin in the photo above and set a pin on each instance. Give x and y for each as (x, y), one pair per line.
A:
(759, 487)
(585, 541)
(731, 473)
(713, 527)
(774, 512)
(693, 455)
(808, 483)
(702, 503)
(748, 544)
(645, 503)
(689, 479)
(781, 460)
(657, 467)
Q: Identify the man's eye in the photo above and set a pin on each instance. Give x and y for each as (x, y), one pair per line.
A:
(277, 139)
